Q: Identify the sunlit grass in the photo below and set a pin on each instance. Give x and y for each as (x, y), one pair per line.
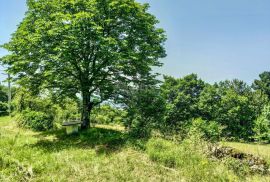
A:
(255, 149)
(103, 153)
(113, 127)
(4, 121)
(192, 163)
(260, 150)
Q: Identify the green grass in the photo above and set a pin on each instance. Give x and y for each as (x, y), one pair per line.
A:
(255, 149)
(102, 154)
(259, 150)
(192, 163)
(97, 155)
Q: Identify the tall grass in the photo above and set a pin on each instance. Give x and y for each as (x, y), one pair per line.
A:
(97, 155)
(103, 154)
(257, 150)
(192, 163)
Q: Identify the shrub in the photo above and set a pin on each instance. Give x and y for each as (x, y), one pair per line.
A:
(140, 128)
(35, 120)
(67, 111)
(145, 111)
(107, 114)
(26, 105)
(209, 130)
(3, 109)
(262, 126)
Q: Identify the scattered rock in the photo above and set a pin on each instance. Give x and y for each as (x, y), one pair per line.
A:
(256, 164)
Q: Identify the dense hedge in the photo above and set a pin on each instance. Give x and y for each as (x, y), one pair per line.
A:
(35, 120)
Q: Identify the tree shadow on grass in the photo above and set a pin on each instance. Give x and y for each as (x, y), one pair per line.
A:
(104, 141)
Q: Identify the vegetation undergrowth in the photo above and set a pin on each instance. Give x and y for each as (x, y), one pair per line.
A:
(94, 61)
(99, 154)
(103, 154)
(192, 163)
(252, 148)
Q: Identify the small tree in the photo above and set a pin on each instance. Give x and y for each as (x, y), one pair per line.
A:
(85, 46)
(262, 126)
(182, 96)
(145, 110)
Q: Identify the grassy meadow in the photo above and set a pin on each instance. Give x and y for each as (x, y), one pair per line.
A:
(105, 154)
(98, 63)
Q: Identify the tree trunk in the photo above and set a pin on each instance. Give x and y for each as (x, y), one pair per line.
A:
(86, 108)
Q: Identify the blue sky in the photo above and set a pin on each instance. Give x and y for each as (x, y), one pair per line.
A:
(216, 39)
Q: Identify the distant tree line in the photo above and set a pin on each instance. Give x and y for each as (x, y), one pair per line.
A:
(242, 111)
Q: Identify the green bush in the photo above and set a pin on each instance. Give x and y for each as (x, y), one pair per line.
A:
(68, 111)
(262, 126)
(209, 130)
(140, 128)
(3, 109)
(53, 114)
(145, 112)
(35, 120)
(107, 114)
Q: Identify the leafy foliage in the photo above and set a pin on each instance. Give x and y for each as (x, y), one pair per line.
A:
(35, 120)
(4, 100)
(86, 47)
(3, 109)
(263, 84)
(233, 105)
(209, 130)
(107, 114)
(262, 126)
(27, 106)
(145, 111)
(181, 97)
(3, 94)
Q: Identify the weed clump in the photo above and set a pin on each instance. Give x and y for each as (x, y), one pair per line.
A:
(191, 161)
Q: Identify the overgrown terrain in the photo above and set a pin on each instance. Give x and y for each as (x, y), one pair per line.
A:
(256, 149)
(104, 154)
(92, 62)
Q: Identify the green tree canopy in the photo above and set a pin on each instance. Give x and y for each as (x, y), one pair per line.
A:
(85, 46)
(181, 97)
(263, 83)
(262, 125)
(234, 105)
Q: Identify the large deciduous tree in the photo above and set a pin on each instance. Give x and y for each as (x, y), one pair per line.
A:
(85, 46)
